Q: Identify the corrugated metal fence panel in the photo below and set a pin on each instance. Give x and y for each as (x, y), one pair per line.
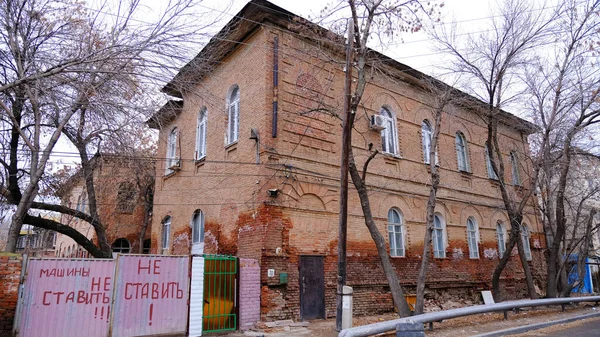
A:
(67, 297)
(151, 295)
(196, 296)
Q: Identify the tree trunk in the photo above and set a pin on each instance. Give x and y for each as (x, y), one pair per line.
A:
(426, 244)
(388, 269)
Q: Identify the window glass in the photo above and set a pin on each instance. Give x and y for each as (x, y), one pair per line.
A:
(395, 233)
(389, 136)
(501, 235)
(121, 245)
(490, 169)
(525, 237)
(233, 115)
(514, 163)
(166, 232)
(461, 153)
(439, 249)
(171, 150)
(198, 227)
(201, 135)
(472, 234)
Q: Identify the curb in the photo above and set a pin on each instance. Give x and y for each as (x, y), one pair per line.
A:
(526, 328)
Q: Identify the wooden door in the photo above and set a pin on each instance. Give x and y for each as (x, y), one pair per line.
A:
(312, 288)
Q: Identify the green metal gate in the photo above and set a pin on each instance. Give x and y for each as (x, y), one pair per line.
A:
(220, 293)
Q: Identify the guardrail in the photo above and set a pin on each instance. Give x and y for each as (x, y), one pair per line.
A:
(376, 328)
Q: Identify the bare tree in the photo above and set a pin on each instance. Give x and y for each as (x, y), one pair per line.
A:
(374, 20)
(491, 62)
(62, 60)
(442, 98)
(565, 103)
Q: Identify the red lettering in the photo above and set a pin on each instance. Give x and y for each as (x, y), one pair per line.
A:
(127, 295)
(44, 298)
(179, 291)
(140, 267)
(44, 272)
(155, 294)
(105, 299)
(145, 290)
(60, 272)
(156, 267)
(81, 296)
(70, 297)
(85, 272)
(96, 284)
(58, 294)
(107, 284)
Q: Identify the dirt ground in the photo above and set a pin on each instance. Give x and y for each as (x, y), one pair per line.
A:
(463, 326)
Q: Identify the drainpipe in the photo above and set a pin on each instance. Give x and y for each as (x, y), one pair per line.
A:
(275, 84)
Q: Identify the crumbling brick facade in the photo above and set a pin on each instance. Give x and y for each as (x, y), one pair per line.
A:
(283, 205)
(10, 274)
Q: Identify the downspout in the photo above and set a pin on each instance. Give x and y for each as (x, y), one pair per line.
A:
(275, 84)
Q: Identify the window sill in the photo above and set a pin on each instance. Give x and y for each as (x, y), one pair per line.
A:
(391, 156)
(231, 146)
(466, 173)
(170, 173)
(397, 257)
(200, 161)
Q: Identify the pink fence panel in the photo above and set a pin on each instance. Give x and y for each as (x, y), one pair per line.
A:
(151, 296)
(63, 298)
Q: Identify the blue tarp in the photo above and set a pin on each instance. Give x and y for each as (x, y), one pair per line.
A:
(586, 287)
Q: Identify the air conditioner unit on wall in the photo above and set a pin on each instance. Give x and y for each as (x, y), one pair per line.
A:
(377, 122)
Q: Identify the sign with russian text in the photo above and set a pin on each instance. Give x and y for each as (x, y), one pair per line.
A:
(151, 295)
(61, 296)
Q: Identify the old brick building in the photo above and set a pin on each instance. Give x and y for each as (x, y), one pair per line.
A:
(121, 205)
(252, 150)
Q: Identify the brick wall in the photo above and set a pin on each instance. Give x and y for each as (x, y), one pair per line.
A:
(10, 273)
(302, 163)
(249, 293)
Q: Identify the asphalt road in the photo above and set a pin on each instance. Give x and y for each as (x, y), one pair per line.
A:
(586, 328)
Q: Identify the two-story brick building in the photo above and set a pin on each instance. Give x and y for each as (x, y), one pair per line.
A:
(121, 205)
(252, 145)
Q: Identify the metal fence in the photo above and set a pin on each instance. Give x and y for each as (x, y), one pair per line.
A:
(220, 293)
(376, 328)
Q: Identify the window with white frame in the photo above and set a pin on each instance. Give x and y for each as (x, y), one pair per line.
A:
(473, 238)
(198, 227)
(201, 134)
(501, 236)
(426, 140)
(525, 235)
(438, 237)
(488, 161)
(396, 232)
(389, 135)
(166, 232)
(514, 164)
(462, 153)
(233, 114)
(172, 159)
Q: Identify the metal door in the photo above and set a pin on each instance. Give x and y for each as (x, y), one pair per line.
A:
(312, 288)
(220, 293)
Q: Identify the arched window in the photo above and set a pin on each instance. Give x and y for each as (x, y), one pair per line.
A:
(233, 114)
(166, 232)
(461, 153)
(472, 237)
(172, 160)
(426, 135)
(198, 227)
(396, 232)
(82, 201)
(201, 134)
(488, 161)
(121, 245)
(514, 164)
(389, 135)
(525, 235)
(126, 197)
(438, 237)
(501, 236)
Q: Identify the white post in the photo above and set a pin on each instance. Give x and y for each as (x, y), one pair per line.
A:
(346, 307)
